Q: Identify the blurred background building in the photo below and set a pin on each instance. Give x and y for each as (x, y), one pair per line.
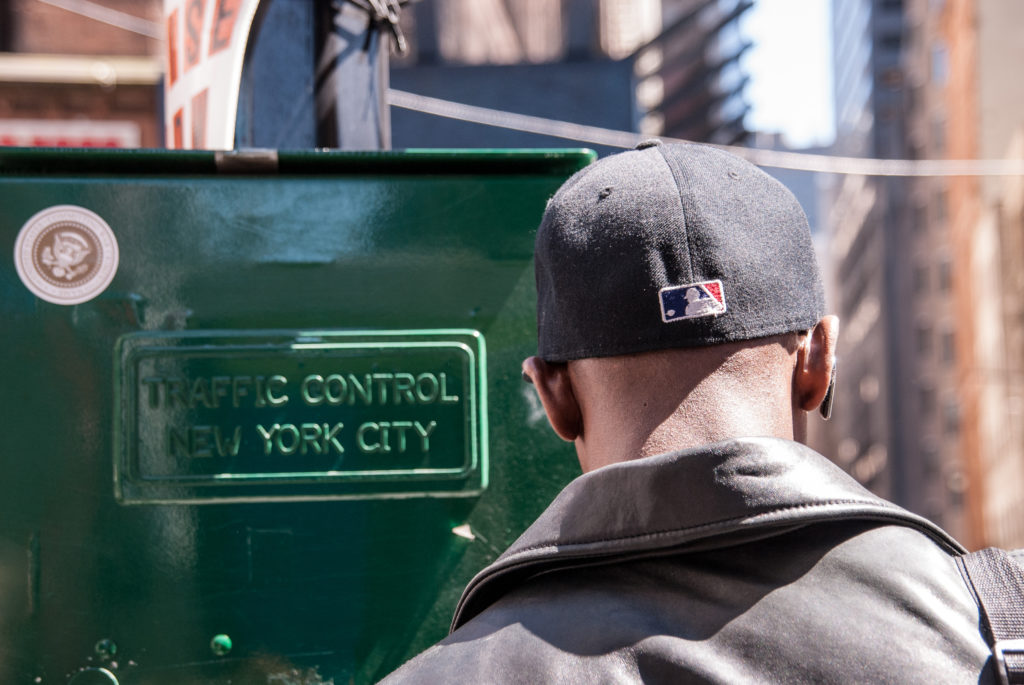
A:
(974, 48)
(84, 78)
(876, 436)
(661, 67)
(926, 270)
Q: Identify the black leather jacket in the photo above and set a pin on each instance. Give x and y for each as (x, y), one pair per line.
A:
(753, 560)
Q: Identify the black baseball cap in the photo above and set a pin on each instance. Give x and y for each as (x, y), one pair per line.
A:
(667, 246)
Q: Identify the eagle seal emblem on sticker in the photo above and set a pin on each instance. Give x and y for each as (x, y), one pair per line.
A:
(66, 254)
(692, 301)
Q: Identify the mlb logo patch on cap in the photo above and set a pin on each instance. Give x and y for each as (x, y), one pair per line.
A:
(691, 301)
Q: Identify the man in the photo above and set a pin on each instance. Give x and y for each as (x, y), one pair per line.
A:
(703, 543)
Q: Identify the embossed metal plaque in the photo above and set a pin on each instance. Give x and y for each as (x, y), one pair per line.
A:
(262, 415)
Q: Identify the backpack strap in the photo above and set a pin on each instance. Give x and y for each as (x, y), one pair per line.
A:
(997, 582)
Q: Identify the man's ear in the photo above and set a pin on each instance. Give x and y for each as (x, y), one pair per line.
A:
(554, 388)
(815, 362)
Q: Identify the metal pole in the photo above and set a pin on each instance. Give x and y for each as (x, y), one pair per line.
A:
(351, 77)
(316, 74)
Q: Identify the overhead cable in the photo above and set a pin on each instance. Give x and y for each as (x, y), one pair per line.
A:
(107, 15)
(779, 159)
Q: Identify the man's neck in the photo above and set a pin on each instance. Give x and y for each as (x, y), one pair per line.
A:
(716, 409)
(637, 406)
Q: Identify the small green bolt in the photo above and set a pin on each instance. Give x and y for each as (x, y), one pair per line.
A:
(105, 649)
(220, 644)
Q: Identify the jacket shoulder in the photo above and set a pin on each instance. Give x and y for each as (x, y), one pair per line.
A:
(832, 602)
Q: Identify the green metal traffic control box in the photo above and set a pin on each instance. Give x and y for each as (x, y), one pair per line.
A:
(262, 412)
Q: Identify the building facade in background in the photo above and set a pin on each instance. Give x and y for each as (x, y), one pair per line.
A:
(661, 67)
(924, 270)
(865, 433)
(976, 48)
(91, 71)
(69, 80)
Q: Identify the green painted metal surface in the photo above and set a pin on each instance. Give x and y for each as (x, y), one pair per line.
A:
(292, 427)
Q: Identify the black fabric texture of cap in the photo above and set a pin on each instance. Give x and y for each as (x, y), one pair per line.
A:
(629, 241)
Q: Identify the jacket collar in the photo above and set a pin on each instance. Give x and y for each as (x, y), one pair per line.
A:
(699, 498)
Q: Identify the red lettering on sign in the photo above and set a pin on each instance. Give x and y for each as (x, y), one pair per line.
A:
(194, 10)
(172, 48)
(60, 140)
(178, 134)
(199, 120)
(225, 14)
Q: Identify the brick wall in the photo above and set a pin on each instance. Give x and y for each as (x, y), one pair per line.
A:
(40, 28)
(35, 28)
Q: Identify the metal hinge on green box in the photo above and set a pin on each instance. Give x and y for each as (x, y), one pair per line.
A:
(276, 415)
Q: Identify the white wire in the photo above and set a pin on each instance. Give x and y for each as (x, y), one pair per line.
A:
(106, 15)
(802, 161)
(518, 122)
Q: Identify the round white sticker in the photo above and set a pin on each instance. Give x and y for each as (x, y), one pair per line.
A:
(66, 254)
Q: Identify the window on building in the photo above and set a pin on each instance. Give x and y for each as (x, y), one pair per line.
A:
(926, 400)
(893, 76)
(940, 64)
(948, 350)
(938, 135)
(945, 275)
(923, 339)
(920, 279)
(870, 388)
(6, 28)
(495, 32)
(626, 24)
(919, 217)
(890, 41)
(941, 206)
(956, 485)
(951, 415)
(930, 461)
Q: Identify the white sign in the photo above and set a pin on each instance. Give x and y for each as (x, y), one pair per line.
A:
(206, 42)
(68, 133)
